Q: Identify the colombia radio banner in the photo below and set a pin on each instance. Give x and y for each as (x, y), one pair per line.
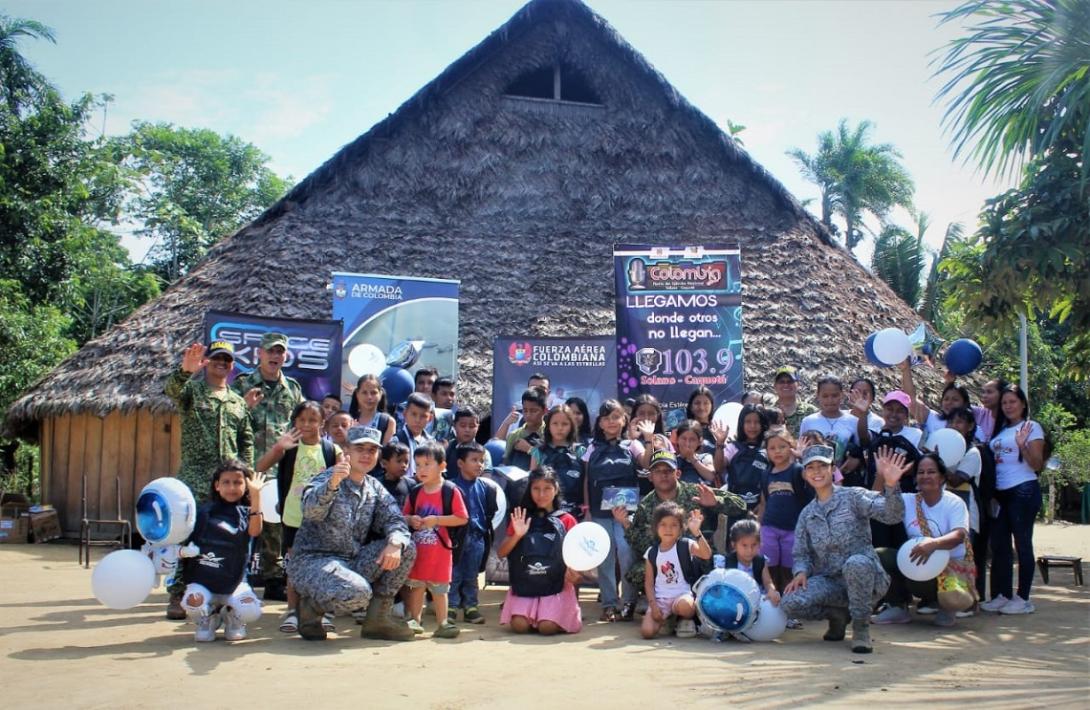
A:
(314, 347)
(576, 367)
(679, 323)
(381, 312)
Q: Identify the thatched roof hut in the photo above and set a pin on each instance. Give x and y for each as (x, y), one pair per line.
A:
(514, 170)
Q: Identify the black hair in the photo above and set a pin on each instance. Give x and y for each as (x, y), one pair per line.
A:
(431, 449)
(535, 395)
(608, 407)
(740, 435)
(538, 376)
(304, 406)
(545, 473)
(1001, 422)
(465, 413)
(584, 426)
(393, 448)
(1000, 386)
(426, 370)
(943, 416)
(630, 404)
(964, 414)
(700, 391)
(775, 416)
(744, 528)
(461, 451)
(650, 400)
(418, 400)
(869, 382)
(669, 509)
(441, 382)
(561, 409)
(332, 395)
(934, 456)
(231, 465)
(354, 405)
(829, 380)
(689, 425)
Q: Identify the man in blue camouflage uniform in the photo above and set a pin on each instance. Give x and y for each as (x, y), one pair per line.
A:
(353, 549)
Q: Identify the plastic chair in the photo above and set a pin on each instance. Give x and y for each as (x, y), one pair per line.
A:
(122, 538)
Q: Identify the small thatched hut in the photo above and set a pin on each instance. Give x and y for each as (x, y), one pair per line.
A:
(515, 171)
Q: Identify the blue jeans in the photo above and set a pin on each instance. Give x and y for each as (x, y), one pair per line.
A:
(619, 551)
(463, 581)
(1018, 508)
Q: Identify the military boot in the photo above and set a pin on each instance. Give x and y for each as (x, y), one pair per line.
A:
(380, 623)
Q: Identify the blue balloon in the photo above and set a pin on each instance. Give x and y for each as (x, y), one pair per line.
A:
(496, 449)
(963, 356)
(726, 607)
(398, 383)
(868, 348)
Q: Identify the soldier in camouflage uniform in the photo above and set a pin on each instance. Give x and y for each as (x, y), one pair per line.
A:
(837, 572)
(271, 396)
(215, 426)
(663, 472)
(353, 543)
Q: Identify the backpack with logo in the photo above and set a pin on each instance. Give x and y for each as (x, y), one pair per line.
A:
(868, 473)
(537, 563)
(569, 470)
(222, 534)
(456, 535)
(746, 472)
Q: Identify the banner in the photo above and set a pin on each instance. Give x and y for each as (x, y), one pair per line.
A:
(679, 323)
(314, 347)
(381, 311)
(576, 367)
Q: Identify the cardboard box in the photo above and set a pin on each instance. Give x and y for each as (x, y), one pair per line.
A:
(45, 525)
(13, 520)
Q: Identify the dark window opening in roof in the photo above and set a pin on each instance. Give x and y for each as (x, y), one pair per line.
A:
(554, 83)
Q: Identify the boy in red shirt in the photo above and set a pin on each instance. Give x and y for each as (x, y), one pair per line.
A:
(424, 510)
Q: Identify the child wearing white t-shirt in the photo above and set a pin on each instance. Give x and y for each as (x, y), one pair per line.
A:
(669, 572)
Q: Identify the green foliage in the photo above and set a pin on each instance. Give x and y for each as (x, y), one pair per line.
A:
(32, 340)
(937, 288)
(855, 177)
(20, 83)
(1055, 420)
(899, 258)
(1074, 455)
(1018, 81)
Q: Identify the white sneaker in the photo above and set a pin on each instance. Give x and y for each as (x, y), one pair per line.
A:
(965, 614)
(995, 604)
(234, 629)
(206, 628)
(686, 629)
(1018, 605)
(892, 615)
(926, 610)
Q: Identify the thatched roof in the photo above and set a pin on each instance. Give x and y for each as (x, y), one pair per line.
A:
(521, 200)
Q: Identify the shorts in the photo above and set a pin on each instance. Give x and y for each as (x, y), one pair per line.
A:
(288, 538)
(433, 587)
(668, 606)
(776, 545)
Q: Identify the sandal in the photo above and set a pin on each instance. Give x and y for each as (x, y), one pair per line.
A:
(609, 614)
(628, 612)
(289, 624)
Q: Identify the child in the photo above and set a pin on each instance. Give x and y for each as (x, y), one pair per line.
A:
(546, 602)
(336, 429)
(744, 459)
(745, 540)
(669, 572)
(784, 494)
(561, 452)
(393, 463)
(466, 425)
(418, 412)
(217, 552)
(837, 426)
(441, 427)
(700, 408)
(434, 506)
(368, 407)
(521, 441)
(331, 404)
(695, 465)
(581, 415)
(301, 454)
(610, 462)
(481, 504)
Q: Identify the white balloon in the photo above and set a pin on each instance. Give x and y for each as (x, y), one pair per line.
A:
(770, 623)
(586, 546)
(366, 359)
(728, 414)
(949, 444)
(935, 564)
(165, 511)
(123, 579)
(501, 502)
(892, 346)
(270, 497)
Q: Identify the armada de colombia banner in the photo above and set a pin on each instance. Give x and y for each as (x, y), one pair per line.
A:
(679, 323)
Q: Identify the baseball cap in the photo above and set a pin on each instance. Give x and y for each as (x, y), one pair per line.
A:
(787, 370)
(899, 397)
(364, 435)
(220, 347)
(818, 452)
(666, 457)
(271, 340)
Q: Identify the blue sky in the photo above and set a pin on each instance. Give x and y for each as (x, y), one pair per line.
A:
(301, 79)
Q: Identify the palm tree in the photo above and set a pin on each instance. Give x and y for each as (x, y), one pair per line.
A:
(19, 81)
(899, 258)
(1017, 81)
(855, 177)
(932, 293)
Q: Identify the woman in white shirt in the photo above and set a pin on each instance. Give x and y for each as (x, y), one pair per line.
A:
(1019, 448)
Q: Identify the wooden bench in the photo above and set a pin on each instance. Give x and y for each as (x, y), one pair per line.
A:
(1046, 561)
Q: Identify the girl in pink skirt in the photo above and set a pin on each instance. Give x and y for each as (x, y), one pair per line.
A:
(542, 594)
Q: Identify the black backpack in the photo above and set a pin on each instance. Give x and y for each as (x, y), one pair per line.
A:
(865, 475)
(218, 566)
(689, 569)
(457, 534)
(746, 472)
(537, 566)
(285, 470)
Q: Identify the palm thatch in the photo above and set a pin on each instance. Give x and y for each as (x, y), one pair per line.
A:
(522, 200)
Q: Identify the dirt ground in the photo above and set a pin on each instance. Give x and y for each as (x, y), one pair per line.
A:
(59, 646)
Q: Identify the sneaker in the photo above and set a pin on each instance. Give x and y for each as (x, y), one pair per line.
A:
(740, 637)
(945, 618)
(686, 629)
(892, 615)
(995, 604)
(925, 609)
(452, 614)
(328, 621)
(206, 628)
(965, 614)
(628, 611)
(1018, 605)
(289, 622)
(473, 615)
(415, 626)
(446, 630)
(234, 629)
(794, 624)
